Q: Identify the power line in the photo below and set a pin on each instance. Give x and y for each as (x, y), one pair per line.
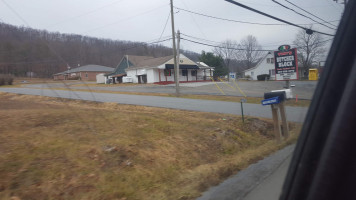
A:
(276, 18)
(231, 20)
(205, 40)
(286, 7)
(144, 43)
(221, 46)
(59, 61)
(14, 11)
(86, 13)
(196, 24)
(238, 21)
(127, 18)
(310, 13)
(324, 41)
(27, 24)
(165, 25)
(337, 7)
(222, 43)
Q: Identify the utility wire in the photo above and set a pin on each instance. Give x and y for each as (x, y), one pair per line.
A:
(310, 13)
(221, 46)
(324, 41)
(220, 43)
(144, 43)
(275, 18)
(14, 11)
(86, 13)
(205, 40)
(196, 24)
(286, 7)
(238, 21)
(28, 25)
(165, 25)
(124, 19)
(59, 61)
(230, 20)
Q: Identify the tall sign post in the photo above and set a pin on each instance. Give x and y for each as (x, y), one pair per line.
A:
(176, 72)
(286, 64)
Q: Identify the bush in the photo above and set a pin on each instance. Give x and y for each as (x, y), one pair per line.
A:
(263, 77)
(6, 79)
(74, 78)
(9, 80)
(2, 80)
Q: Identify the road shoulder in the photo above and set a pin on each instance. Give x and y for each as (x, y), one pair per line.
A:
(243, 184)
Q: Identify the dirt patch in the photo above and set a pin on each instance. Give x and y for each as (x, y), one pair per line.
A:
(263, 127)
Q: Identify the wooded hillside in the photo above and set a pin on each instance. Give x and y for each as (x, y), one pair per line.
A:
(24, 50)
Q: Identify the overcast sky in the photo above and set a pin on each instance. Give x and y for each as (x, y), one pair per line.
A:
(144, 20)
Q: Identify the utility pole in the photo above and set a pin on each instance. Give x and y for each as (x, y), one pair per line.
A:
(178, 60)
(176, 72)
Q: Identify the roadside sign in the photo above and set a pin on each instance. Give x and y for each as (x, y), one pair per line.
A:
(286, 63)
(283, 47)
(273, 100)
(243, 100)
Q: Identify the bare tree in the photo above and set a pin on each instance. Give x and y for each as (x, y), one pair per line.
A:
(250, 54)
(311, 48)
(226, 52)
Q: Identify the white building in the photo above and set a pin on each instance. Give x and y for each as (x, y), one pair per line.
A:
(100, 78)
(143, 69)
(265, 66)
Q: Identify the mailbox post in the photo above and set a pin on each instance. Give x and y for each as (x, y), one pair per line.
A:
(276, 100)
(242, 109)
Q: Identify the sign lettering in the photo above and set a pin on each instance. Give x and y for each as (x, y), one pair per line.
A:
(286, 64)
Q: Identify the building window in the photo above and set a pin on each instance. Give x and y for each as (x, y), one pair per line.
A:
(86, 75)
(272, 72)
(184, 72)
(270, 60)
(167, 72)
(194, 73)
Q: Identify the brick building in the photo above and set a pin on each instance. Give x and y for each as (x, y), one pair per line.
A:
(85, 73)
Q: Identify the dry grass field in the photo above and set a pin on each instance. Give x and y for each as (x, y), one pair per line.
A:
(53, 148)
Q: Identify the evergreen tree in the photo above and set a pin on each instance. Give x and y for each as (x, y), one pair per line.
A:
(214, 61)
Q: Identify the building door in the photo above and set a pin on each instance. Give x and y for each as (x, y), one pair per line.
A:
(144, 78)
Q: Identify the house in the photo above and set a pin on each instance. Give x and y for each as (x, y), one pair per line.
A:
(144, 69)
(265, 66)
(117, 75)
(85, 73)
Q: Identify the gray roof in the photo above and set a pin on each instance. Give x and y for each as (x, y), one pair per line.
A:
(88, 68)
(149, 62)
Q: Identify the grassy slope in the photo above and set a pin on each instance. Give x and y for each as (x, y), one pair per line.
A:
(59, 149)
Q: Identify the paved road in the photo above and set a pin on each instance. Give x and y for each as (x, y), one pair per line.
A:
(263, 180)
(294, 114)
(271, 187)
(304, 89)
